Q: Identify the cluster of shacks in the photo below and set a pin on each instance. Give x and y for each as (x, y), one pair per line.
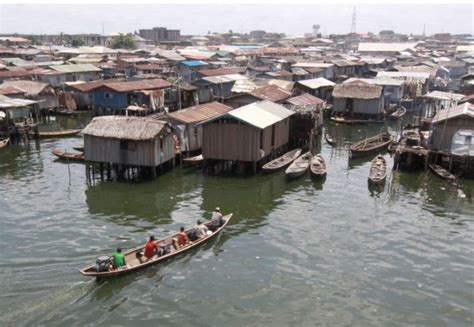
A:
(238, 100)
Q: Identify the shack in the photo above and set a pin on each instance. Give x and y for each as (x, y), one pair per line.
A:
(246, 137)
(184, 122)
(188, 69)
(452, 138)
(216, 87)
(78, 72)
(124, 143)
(358, 100)
(270, 92)
(319, 87)
(41, 92)
(119, 95)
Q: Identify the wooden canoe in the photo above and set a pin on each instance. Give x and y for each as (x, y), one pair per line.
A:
(79, 148)
(194, 161)
(318, 166)
(378, 170)
(68, 155)
(342, 120)
(441, 172)
(282, 161)
(133, 264)
(399, 113)
(370, 145)
(329, 139)
(68, 132)
(4, 142)
(299, 166)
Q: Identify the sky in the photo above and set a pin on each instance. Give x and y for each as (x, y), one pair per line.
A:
(198, 19)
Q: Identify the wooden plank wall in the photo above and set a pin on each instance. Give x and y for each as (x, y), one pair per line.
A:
(231, 141)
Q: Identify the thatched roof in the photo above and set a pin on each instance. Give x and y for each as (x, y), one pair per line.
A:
(124, 128)
(357, 90)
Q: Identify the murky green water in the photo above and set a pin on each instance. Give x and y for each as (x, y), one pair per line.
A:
(296, 252)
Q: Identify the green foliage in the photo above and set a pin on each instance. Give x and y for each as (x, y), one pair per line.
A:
(77, 42)
(123, 41)
(34, 40)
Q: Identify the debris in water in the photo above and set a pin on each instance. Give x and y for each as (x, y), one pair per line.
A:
(443, 188)
(461, 194)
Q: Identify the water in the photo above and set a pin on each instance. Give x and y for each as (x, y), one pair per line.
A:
(298, 252)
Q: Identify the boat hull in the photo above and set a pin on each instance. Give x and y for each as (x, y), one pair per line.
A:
(88, 271)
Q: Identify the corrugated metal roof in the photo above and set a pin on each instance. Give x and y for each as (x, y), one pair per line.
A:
(385, 47)
(271, 93)
(32, 88)
(438, 95)
(89, 86)
(405, 75)
(194, 63)
(10, 90)
(244, 86)
(76, 68)
(261, 114)
(221, 71)
(305, 99)
(150, 84)
(224, 78)
(316, 83)
(200, 112)
(6, 102)
(459, 110)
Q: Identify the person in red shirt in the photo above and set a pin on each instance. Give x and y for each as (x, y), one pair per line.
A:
(151, 248)
(182, 237)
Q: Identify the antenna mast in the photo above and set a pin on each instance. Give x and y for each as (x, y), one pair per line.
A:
(353, 27)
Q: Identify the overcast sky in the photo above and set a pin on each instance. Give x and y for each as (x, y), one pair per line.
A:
(290, 19)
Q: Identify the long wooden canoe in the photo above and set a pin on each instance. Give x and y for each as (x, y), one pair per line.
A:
(370, 145)
(4, 142)
(329, 139)
(68, 132)
(342, 120)
(299, 166)
(378, 170)
(68, 155)
(399, 113)
(318, 166)
(194, 161)
(134, 264)
(441, 172)
(282, 161)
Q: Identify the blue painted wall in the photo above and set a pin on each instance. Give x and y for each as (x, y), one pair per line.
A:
(117, 101)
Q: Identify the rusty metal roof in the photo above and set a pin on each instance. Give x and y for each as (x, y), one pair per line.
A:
(305, 99)
(200, 112)
(222, 71)
(86, 87)
(150, 84)
(271, 93)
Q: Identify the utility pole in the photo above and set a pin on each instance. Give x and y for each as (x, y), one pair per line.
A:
(354, 15)
(424, 30)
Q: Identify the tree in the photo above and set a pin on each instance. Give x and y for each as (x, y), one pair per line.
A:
(77, 42)
(123, 41)
(34, 40)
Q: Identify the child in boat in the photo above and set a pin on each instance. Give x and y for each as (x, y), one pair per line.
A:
(182, 237)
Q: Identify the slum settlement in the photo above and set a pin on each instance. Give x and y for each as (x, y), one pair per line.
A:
(234, 102)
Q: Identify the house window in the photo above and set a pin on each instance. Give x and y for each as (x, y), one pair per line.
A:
(108, 95)
(128, 145)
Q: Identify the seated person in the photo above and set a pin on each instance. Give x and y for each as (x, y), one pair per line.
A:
(216, 220)
(182, 237)
(151, 248)
(118, 259)
(200, 229)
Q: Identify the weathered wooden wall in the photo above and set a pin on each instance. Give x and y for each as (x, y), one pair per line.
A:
(442, 141)
(231, 141)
